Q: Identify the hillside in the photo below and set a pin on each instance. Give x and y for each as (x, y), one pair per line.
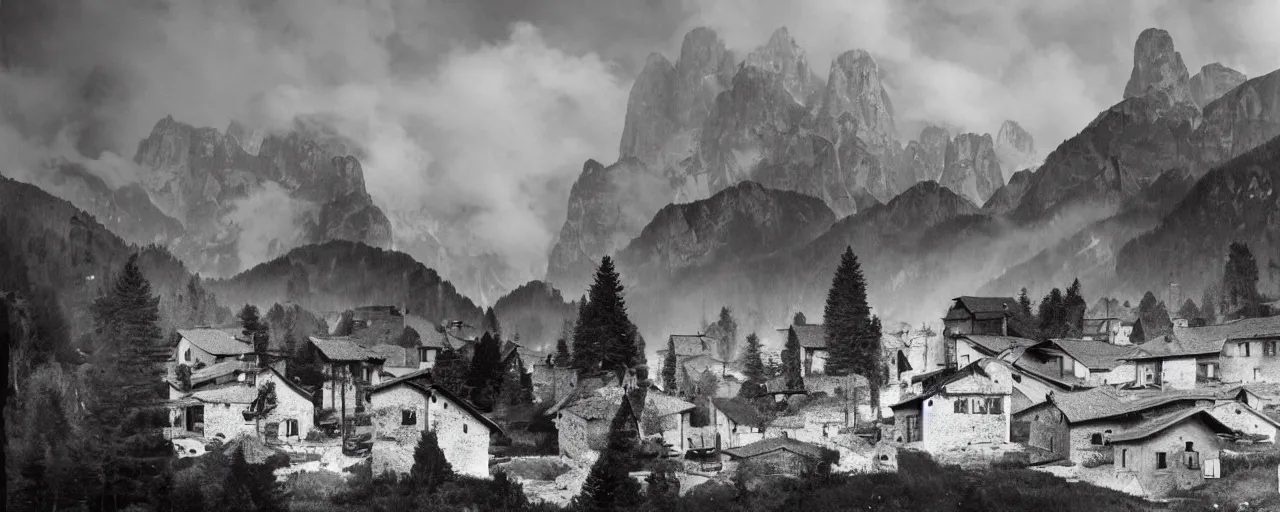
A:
(340, 275)
(536, 312)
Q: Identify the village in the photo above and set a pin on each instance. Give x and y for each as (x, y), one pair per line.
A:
(985, 389)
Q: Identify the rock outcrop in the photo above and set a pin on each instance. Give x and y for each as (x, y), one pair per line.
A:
(856, 106)
(1240, 120)
(1157, 66)
(972, 168)
(1006, 198)
(924, 158)
(782, 56)
(239, 207)
(649, 122)
(1213, 81)
(1015, 148)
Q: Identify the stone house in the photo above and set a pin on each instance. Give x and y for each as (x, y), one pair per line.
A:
(967, 348)
(813, 346)
(1258, 395)
(210, 346)
(349, 371)
(1166, 452)
(583, 425)
(218, 411)
(968, 406)
(1082, 362)
(1239, 351)
(781, 455)
(1106, 330)
(223, 373)
(736, 422)
(1079, 425)
(431, 340)
(667, 417)
(689, 345)
(397, 361)
(403, 407)
(1240, 417)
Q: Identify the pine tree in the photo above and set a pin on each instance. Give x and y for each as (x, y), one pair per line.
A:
(563, 358)
(1053, 317)
(1240, 281)
(491, 323)
(430, 467)
(128, 374)
(799, 319)
(851, 346)
(669, 363)
(605, 336)
(791, 361)
(486, 371)
(609, 485)
(1154, 316)
(727, 329)
(1189, 311)
(1137, 336)
(1074, 307)
(253, 328)
(1024, 304)
(754, 363)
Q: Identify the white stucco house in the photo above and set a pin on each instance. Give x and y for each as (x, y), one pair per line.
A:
(218, 411)
(404, 407)
(206, 347)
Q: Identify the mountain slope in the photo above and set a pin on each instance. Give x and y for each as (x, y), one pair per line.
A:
(1237, 201)
(339, 275)
(535, 311)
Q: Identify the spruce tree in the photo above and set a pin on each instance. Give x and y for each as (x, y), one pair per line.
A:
(609, 485)
(430, 467)
(1053, 315)
(669, 363)
(1189, 311)
(727, 330)
(1024, 304)
(491, 323)
(450, 371)
(799, 319)
(253, 328)
(128, 375)
(1137, 336)
(562, 358)
(1074, 307)
(605, 336)
(1209, 305)
(486, 371)
(791, 361)
(754, 362)
(851, 345)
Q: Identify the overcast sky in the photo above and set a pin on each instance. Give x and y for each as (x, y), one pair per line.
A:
(482, 111)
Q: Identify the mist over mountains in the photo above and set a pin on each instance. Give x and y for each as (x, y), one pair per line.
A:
(744, 165)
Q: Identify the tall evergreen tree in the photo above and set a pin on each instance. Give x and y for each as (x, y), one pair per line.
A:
(799, 319)
(1137, 336)
(754, 362)
(1155, 317)
(486, 371)
(1074, 307)
(609, 485)
(1024, 303)
(1189, 311)
(846, 319)
(1053, 317)
(605, 334)
(451, 371)
(669, 368)
(791, 361)
(562, 358)
(128, 375)
(491, 324)
(727, 335)
(430, 467)
(1240, 281)
(253, 328)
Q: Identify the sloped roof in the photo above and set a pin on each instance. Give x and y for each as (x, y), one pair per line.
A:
(975, 368)
(343, 349)
(1094, 355)
(1244, 329)
(428, 388)
(811, 335)
(1105, 402)
(218, 342)
(394, 355)
(740, 411)
(1160, 423)
(982, 308)
(216, 370)
(796, 421)
(774, 444)
(1234, 406)
(420, 374)
(666, 405)
(431, 338)
(689, 344)
(996, 344)
(603, 404)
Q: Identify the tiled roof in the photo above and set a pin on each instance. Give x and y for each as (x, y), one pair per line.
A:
(976, 367)
(781, 443)
(1099, 326)
(228, 394)
(1231, 407)
(996, 344)
(740, 411)
(1248, 328)
(1105, 402)
(420, 374)
(213, 371)
(601, 405)
(431, 338)
(394, 355)
(256, 451)
(689, 344)
(1158, 424)
(1095, 355)
(811, 335)
(218, 342)
(412, 380)
(666, 405)
(1263, 389)
(987, 304)
(788, 422)
(343, 349)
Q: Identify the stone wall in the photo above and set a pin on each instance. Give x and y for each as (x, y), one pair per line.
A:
(290, 405)
(1046, 428)
(1138, 459)
(1236, 367)
(463, 438)
(944, 427)
(580, 438)
(227, 420)
(1120, 374)
(1081, 436)
(197, 355)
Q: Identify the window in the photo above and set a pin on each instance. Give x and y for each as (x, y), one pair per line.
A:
(964, 359)
(995, 405)
(186, 355)
(464, 428)
(1269, 348)
(1161, 460)
(1124, 458)
(1095, 439)
(1245, 346)
(408, 417)
(962, 406)
(1106, 437)
(980, 406)
(1190, 458)
(290, 428)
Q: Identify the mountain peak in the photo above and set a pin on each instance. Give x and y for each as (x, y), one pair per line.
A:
(1213, 81)
(781, 55)
(1157, 66)
(704, 69)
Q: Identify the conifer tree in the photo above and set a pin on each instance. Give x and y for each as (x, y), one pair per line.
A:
(1240, 279)
(727, 331)
(430, 467)
(253, 328)
(1024, 304)
(1074, 308)
(1189, 311)
(252, 487)
(754, 363)
(1209, 305)
(1053, 315)
(563, 358)
(669, 363)
(852, 344)
(1137, 336)
(128, 373)
(450, 371)
(486, 371)
(491, 324)
(791, 361)
(799, 319)
(609, 485)
(605, 337)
